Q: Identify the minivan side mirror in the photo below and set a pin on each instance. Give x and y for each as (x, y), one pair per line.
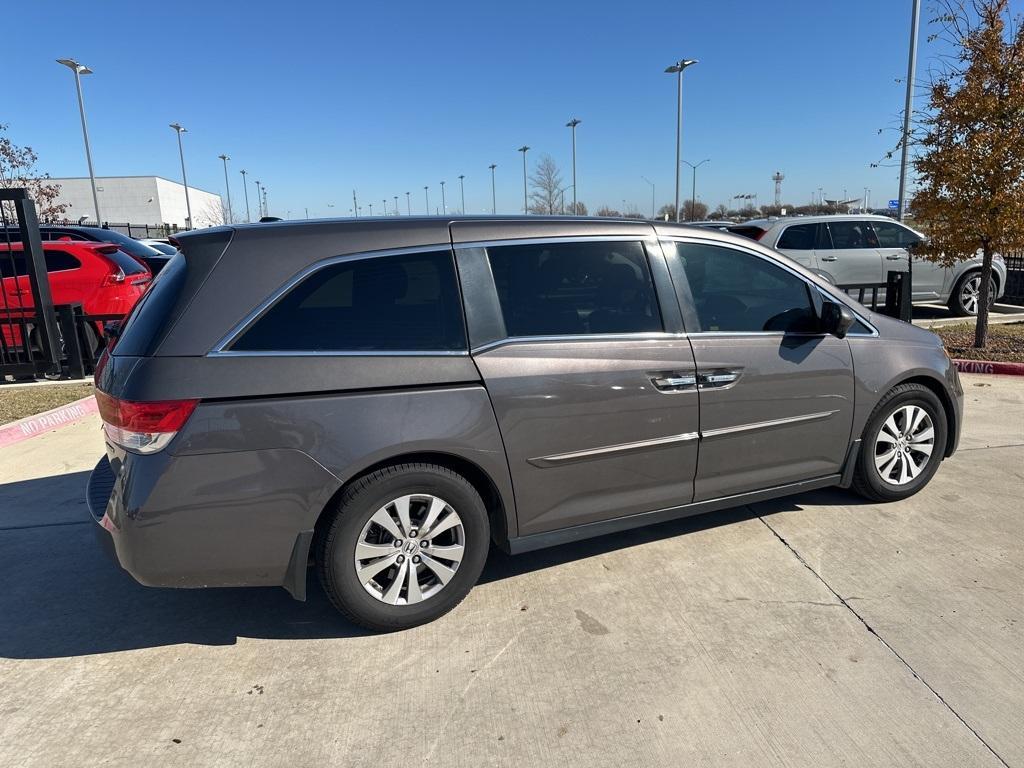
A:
(836, 318)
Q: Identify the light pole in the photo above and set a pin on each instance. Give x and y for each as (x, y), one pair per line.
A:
(494, 204)
(908, 106)
(266, 207)
(864, 202)
(652, 193)
(693, 191)
(426, 199)
(385, 206)
(408, 205)
(396, 205)
(444, 205)
(79, 70)
(462, 192)
(355, 205)
(524, 149)
(677, 70)
(178, 129)
(259, 198)
(231, 214)
(572, 125)
(245, 189)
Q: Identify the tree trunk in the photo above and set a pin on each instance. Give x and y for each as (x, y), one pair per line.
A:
(981, 327)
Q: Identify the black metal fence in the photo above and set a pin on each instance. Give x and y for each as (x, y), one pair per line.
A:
(159, 231)
(29, 345)
(1014, 293)
(893, 297)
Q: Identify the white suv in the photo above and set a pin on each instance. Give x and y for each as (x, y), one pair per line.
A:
(858, 250)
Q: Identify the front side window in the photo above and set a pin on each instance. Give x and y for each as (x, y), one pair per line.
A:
(799, 237)
(574, 288)
(893, 235)
(852, 234)
(408, 302)
(739, 292)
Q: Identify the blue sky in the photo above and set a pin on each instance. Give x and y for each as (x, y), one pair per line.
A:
(318, 98)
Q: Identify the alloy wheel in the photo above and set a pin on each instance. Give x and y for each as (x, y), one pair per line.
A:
(409, 549)
(904, 444)
(970, 294)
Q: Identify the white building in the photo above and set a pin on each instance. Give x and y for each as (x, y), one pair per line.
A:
(139, 200)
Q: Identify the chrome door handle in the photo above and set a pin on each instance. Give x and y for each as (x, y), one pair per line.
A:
(894, 256)
(830, 258)
(717, 379)
(674, 383)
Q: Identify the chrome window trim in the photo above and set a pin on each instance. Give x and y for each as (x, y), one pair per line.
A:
(559, 459)
(261, 309)
(665, 240)
(584, 338)
(645, 238)
(722, 431)
(337, 353)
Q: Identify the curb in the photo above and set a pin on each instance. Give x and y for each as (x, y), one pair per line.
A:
(47, 421)
(988, 366)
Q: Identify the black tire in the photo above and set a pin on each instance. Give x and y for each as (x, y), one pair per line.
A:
(359, 502)
(867, 479)
(956, 303)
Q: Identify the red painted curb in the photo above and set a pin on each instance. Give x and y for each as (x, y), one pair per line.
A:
(987, 366)
(17, 431)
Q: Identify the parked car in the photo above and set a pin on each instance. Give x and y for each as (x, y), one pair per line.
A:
(389, 396)
(160, 245)
(151, 257)
(102, 278)
(861, 249)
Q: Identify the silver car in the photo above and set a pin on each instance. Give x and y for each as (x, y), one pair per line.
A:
(850, 250)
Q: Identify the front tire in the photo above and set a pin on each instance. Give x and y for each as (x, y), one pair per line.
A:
(404, 546)
(902, 445)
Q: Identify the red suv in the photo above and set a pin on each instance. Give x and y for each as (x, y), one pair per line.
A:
(99, 276)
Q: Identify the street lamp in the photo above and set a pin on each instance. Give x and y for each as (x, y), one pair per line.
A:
(266, 207)
(652, 193)
(524, 149)
(259, 198)
(908, 106)
(677, 69)
(396, 205)
(693, 192)
(385, 206)
(408, 205)
(572, 124)
(231, 213)
(494, 205)
(79, 70)
(426, 199)
(371, 208)
(178, 129)
(245, 189)
(444, 205)
(462, 192)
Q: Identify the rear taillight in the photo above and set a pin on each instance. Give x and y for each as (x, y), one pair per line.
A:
(143, 427)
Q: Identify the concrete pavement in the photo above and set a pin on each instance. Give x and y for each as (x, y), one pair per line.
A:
(815, 630)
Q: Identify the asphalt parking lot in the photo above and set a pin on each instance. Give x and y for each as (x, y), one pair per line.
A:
(816, 630)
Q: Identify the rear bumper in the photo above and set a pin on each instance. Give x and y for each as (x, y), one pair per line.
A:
(216, 520)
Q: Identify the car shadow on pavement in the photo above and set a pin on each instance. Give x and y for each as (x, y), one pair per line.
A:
(63, 597)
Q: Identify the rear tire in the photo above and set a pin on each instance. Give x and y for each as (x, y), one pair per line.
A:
(371, 558)
(965, 299)
(902, 445)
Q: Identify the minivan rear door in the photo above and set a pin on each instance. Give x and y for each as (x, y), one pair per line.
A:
(580, 344)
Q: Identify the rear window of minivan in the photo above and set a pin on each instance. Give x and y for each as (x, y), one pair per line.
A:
(147, 320)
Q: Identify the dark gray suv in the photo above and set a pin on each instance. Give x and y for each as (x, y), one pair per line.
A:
(385, 398)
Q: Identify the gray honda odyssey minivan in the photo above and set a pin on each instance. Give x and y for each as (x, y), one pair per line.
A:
(384, 398)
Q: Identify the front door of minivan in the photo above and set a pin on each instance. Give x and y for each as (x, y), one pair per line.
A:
(776, 397)
(591, 379)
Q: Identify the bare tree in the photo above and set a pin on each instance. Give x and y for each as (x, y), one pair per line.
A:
(581, 209)
(667, 212)
(545, 197)
(17, 169)
(210, 215)
(694, 211)
(604, 210)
